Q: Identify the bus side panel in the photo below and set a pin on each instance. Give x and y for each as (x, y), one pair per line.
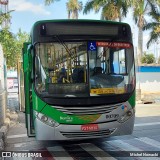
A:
(21, 86)
(27, 88)
(132, 100)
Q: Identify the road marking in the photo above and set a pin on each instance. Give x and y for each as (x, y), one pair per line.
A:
(96, 152)
(22, 158)
(17, 136)
(146, 124)
(20, 144)
(57, 151)
(126, 147)
(123, 145)
(149, 141)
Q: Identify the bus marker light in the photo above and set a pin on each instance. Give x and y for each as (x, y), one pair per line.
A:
(125, 117)
(124, 107)
(44, 118)
(129, 113)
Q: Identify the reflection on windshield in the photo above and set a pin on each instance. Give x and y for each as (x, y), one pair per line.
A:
(64, 70)
(67, 71)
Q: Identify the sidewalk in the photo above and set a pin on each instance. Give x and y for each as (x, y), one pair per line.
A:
(148, 110)
(11, 117)
(148, 98)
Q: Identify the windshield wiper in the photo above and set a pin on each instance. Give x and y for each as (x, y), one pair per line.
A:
(64, 45)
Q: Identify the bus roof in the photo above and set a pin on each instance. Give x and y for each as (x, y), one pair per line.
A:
(80, 27)
(79, 20)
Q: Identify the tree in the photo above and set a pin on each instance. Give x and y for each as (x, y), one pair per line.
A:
(148, 58)
(48, 2)
(8, 43)
(140, 10)
(158, 2)
(73, 7)
(12, 45)
(154, 26)
(111, 9)
(21, 37)
(5, 18)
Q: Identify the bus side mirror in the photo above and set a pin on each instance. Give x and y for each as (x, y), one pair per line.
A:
(37, 68)
(26, 54)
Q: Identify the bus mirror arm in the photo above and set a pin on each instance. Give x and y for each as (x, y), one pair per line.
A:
(30, 47)
(36, 76)
(32, 80)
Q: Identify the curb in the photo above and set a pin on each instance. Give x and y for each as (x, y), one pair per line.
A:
(4, 130)
(3, 133)
(145, 102)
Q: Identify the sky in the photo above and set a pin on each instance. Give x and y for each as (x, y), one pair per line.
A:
(27, 12)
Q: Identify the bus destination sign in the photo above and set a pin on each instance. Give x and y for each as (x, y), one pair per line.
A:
(114, 44)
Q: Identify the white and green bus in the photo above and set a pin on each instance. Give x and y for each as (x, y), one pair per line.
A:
(79, 79)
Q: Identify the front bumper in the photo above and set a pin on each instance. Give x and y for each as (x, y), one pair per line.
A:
(69, 132)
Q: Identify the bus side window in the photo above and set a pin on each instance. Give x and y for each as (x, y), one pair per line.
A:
(118, 63)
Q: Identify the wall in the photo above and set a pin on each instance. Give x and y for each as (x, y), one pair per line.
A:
(3, 94)
(2, 86)
(149, 82)
(149, 85)
(2, 107)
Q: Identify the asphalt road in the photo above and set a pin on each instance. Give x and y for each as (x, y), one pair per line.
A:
(145, 137)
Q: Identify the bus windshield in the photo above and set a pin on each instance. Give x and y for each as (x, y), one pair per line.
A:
(84, 68)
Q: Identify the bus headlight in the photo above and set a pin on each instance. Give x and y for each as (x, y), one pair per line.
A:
(125, 117)
(47, 120)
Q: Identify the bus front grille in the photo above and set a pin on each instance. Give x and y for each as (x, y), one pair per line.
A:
(87, 110)
(89, 134)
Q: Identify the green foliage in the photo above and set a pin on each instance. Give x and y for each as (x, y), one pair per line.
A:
(12, 45)
(148, 58)
(158, 60)
(21, 37)
(153, 26)
(5, 18)
(8, 43)
(111, 9)
(73, 7)
(48, 2)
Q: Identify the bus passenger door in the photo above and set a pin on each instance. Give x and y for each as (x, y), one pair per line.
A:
(27, 68)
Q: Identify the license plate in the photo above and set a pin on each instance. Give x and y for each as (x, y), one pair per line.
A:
(89, 127)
